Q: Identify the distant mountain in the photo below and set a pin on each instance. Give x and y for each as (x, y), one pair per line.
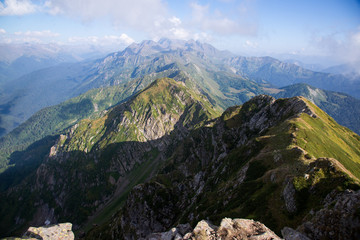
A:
(349, 70)
(23, 97)
(281, 74)
(309, 66)
(225, 78)
(218, 82)
(19, 59)
(342, 107)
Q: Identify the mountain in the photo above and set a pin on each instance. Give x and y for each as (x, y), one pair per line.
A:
(225, 78)
(281, 74)
(342, 107)
(24, 96)
(313, 67)
(345, 69)
(282, 162)
(50, 122)
(19, 59)
(120, 148)
(165, 156)
(181, 60)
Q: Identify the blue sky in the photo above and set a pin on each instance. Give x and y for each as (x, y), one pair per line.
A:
(324, 28)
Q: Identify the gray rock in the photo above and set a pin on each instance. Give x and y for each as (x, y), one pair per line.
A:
(60, 231)
(245, 229)
(289, 197)
(291, 234)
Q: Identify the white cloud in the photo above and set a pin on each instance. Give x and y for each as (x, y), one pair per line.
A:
(148, 16)
(174, 20)
(104, 41)
(251, 44)
(342, 46)
(218, 23)
(38, 34)
(138, 14)
(16, 7)
(45, 36)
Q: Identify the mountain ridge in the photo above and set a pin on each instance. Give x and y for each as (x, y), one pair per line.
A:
(171, 141)
(250, 163)
(111, 148)
(164, 56)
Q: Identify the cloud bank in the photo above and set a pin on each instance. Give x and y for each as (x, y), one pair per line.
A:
(17, 7)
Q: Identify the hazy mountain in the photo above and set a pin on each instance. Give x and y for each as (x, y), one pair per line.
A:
(349, 70)
(24, 96)
(19, 59)
(281, 74)
(309, 66)
(225, 78)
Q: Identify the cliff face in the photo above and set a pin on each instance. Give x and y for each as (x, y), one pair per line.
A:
(255, 161)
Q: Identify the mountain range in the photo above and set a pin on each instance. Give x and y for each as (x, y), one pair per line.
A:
(172, 132)
(227, 78)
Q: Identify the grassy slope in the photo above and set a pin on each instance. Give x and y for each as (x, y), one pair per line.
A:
(342, 107)
(323, 137)
(158, 97)
(52, 120)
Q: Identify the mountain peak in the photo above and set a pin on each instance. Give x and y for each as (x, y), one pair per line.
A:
(149, 47)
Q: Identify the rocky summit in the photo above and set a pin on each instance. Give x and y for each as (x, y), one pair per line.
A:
(229, 229)
(61, 231)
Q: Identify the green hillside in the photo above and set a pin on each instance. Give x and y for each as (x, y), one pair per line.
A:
(272, 161)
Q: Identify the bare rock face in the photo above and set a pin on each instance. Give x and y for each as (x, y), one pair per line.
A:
(289, 197)
(339, 219)
(245, 229)
(60, 231)
(291, 234)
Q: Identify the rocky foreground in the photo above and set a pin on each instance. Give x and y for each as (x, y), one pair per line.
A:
(61, 231)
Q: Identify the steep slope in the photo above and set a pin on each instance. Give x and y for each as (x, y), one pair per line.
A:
(342, 107)
(99, 160)
(41, 128)
(271, 160)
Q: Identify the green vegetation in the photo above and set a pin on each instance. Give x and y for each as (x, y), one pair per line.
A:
(53, 120)
(343, 108)
(323, 137)
(269, 160)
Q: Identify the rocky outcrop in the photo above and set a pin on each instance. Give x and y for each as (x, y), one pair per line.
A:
(61, 231)
(339, 219)
(289, 197)
(244, 229)
(291, 234)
